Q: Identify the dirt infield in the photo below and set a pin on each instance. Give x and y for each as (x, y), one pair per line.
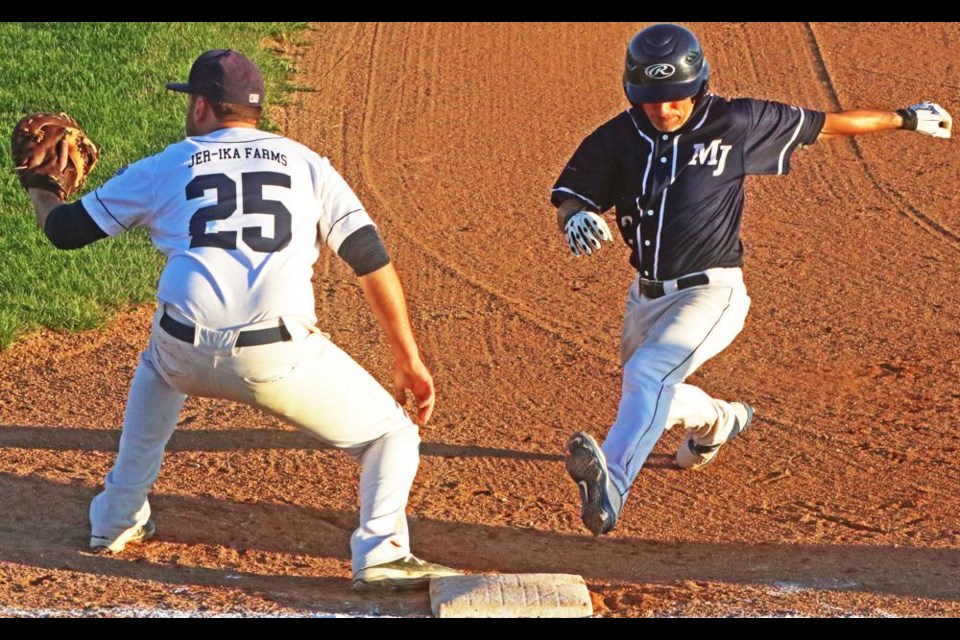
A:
(843, 497)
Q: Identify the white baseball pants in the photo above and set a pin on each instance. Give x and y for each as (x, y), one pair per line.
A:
(309, 382)
(664, 340)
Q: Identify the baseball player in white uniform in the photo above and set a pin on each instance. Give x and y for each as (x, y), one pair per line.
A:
(673, 165)
(241, 215)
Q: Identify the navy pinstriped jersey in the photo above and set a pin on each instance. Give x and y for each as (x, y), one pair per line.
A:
(679, 195)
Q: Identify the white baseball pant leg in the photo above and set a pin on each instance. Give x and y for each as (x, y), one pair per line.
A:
(148, 422)
(309, 382)
(664, 340)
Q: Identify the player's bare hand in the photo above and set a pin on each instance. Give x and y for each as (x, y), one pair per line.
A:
(415, 376)
(585, 231)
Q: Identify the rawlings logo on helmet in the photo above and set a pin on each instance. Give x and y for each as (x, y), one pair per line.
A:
(660, 71)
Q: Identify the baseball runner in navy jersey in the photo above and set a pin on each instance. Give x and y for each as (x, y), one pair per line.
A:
(241, 215)
(673, 166)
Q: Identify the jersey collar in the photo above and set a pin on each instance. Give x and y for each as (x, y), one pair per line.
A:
(695, 116)
(234, 134)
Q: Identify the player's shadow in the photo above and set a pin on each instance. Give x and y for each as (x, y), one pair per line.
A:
(106, 440)
(45, 526)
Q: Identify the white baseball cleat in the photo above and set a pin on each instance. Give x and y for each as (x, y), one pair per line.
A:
(696, 456)
(116, 545)
(404, 573)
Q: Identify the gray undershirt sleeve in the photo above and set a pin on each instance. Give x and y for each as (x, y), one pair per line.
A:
(364, 251)
(69, 226)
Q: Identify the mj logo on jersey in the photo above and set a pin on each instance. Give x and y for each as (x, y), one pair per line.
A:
(714, 155)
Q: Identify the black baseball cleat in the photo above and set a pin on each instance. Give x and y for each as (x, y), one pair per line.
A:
(409, 572)
(587, 465)
(99, 544)
(696, 456)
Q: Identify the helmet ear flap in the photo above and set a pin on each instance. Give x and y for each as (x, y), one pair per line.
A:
(704, 88)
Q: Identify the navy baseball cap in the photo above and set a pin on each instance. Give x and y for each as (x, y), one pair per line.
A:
(224, 75)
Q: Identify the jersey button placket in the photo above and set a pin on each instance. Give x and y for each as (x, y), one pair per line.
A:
(664, 175)
(646, 229)
(648, 222)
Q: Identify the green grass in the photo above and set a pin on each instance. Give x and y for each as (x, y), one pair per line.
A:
(111, 77)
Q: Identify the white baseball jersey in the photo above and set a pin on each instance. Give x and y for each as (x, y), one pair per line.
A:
(240, 215)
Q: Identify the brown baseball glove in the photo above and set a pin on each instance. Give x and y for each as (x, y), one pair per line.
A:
(51, 152)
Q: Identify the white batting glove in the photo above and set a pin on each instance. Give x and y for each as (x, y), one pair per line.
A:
(585, 231)
(927, 118)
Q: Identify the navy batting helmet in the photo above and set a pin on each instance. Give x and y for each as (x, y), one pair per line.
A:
(664, 63)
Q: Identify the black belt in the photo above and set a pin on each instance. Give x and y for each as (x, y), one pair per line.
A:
(251, 338)
(654, 288)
